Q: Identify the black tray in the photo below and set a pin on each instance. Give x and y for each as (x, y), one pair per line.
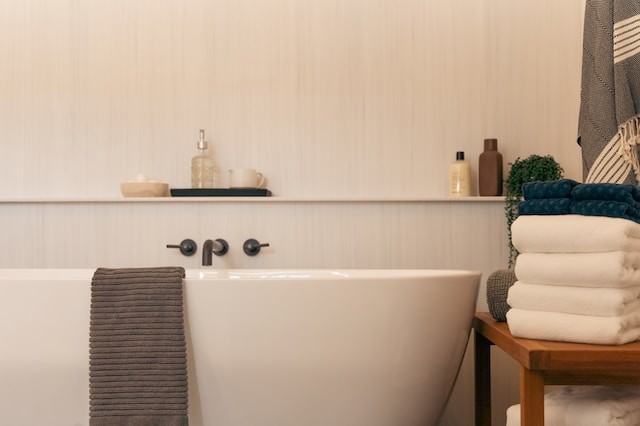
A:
(220, 192)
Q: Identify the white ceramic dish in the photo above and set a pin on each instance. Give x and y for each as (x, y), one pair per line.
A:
(144, 189)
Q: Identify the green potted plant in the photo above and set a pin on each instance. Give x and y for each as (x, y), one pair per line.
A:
(531, 169)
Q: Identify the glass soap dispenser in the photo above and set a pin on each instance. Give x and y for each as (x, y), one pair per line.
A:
(202, 166)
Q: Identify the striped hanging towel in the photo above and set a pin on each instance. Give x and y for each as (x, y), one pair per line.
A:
(609, 122)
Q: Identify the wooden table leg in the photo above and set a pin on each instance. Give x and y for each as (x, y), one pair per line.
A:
(531, 397)
(482, 380)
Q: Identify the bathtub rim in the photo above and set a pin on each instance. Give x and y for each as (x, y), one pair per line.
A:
(283, 274)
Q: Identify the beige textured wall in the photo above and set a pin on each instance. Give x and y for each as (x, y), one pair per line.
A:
(329, 98)
(326, 97)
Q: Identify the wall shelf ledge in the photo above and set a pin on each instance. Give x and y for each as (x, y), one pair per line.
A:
(242, 200)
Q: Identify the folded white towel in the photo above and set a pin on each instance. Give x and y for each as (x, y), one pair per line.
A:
(546, 325)
(606, 269)
(587, 405)
(574, 234)
(596, 301)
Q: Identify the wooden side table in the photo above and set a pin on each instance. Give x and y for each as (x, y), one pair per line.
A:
(544, 362)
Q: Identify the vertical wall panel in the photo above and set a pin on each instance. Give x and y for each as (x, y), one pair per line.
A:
(329, 98)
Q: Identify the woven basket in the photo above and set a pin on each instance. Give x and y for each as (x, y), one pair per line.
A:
(498, 284)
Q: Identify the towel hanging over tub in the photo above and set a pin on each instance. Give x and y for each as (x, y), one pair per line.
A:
(609, 122)
(137, 366)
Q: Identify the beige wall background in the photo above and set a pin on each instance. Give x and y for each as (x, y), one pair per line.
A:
(326, 97)
(352, 109)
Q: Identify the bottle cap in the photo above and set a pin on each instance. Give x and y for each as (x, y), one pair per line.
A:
(202, 144)
(460, 155)
(490, 144)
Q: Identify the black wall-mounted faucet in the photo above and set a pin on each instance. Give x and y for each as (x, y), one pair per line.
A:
(218, 247)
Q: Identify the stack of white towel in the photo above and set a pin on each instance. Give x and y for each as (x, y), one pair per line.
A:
(578, 279)
(587, 405)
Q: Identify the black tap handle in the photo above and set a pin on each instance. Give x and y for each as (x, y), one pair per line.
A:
(252, 247)
(187, 247)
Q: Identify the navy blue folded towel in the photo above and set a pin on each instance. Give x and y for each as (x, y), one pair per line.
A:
(560, 188)
(566, 196)
(605, 208)
(607, 192)
(550, 206)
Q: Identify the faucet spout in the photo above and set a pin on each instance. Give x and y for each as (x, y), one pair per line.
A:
(218, 247)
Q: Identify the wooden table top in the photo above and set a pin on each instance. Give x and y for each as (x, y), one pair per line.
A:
(549, 355)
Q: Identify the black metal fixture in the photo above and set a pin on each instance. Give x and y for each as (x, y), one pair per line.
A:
(252, 247)
(187, 247)
(218, 247)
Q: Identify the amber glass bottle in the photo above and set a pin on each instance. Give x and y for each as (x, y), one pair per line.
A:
(490, 169)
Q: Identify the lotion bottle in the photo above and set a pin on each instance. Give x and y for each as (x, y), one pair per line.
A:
(202, 166)
(459, 177)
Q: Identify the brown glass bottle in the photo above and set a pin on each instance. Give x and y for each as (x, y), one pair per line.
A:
(490, 169)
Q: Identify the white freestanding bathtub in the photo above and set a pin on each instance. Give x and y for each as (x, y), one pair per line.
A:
(266, 347)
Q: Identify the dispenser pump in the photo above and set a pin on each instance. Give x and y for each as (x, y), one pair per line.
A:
(202, 144)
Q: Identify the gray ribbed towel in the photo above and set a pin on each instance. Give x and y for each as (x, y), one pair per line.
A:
(609, 123)
(138, 364)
